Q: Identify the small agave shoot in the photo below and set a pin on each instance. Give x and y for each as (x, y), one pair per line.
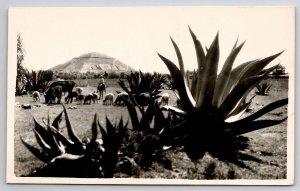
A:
(71, 157)
(263, 89)
(212, 104)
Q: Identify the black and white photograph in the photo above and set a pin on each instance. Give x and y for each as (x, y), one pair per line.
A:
(151, 95)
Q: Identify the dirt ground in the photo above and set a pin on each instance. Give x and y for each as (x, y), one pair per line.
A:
(269, 145)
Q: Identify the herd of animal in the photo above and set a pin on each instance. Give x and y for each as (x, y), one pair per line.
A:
(57, 89)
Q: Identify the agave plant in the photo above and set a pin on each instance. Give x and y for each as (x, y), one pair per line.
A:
(212, 103)
(144, 142)
(263, 89)
(72, 157)
(143, 88)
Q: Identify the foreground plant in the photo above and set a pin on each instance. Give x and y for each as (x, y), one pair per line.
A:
(72, 157)
(213, 104)
(144, 143)
(263, 89)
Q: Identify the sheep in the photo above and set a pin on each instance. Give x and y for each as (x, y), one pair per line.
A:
(120, 98)
(165, 99)
(79, 90)
(80, 98)
(95, 97)
(36, 96)
(88, 99)
(108, 99)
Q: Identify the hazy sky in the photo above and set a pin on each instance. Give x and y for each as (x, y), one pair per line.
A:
(52, 36)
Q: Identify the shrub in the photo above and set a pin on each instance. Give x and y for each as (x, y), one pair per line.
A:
(212, 104)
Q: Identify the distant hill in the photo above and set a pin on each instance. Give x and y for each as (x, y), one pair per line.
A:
(92, 62)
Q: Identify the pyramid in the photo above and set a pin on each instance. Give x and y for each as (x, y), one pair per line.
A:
(92, 62)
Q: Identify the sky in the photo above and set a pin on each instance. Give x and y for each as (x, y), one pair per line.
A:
(52, 36)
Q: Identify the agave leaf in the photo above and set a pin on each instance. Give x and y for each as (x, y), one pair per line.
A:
(238, 112)
(41, 141)
(186, 98)
(174, 110)
(235, 77)
(255, 67)
(57, 121)
(122, 84)
(179, 57)
(235, 44)
(224, 76)
(51, 140)
(208, 79)
(133, 115)
(110, 130)
(199, 52)
(36, 152)
(95, 128)
(254, 125)
(66, 157)
(39, 128)
(241, 90)
(174, 135)
(61, 138)
(71, 132)
(264, 110)
(104, 135)
(59, 146)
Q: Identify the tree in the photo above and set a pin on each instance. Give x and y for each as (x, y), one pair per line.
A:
(20, 78)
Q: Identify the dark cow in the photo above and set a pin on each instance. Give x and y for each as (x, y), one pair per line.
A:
(70, 97)
(67, 86)
(52, 94)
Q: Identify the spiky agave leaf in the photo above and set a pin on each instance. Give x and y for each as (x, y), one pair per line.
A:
(57, 120)
(185, 96)
(70, 130)
(224, 75)
(242, 89)
(208, 80)
(41, 155)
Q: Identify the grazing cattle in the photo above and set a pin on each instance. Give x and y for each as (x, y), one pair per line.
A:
(36, 96)
(165, 99)
(120, 98)
(101, 88)
(108, 99)
(70, 97)
(67, 86)
(88, 99)
(53, 93)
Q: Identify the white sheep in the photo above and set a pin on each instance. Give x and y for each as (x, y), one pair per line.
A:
(108, 99)
(36, 96)
(120, 98)
(79, 90)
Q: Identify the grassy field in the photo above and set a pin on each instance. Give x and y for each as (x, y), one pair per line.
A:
(269, 145)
